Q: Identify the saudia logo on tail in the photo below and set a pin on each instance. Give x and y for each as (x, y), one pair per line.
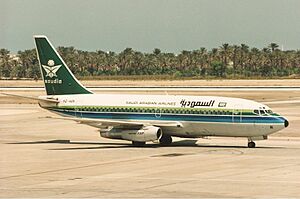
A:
(51, 71)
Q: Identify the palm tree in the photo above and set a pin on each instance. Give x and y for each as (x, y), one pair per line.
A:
(156, 51)
(244, 51)
(224, 49)
(273, 46)
(4, 63)
(254, 60)
(125, 60)
(235, 52)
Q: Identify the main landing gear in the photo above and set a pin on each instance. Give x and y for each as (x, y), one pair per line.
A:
(165, 140)
(251, 144)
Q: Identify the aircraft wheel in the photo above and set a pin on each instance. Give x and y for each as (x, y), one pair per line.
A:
(135, 143)
(251, 144)
(165, 140)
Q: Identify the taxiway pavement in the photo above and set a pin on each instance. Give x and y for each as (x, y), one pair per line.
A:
(40, 157)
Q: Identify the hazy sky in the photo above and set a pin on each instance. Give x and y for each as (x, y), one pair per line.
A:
(171, 25)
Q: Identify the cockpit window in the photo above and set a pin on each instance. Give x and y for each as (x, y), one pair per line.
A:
(269, 111)
(262, 112)
(256, 112)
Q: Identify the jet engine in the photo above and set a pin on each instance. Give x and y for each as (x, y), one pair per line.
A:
(144, 134)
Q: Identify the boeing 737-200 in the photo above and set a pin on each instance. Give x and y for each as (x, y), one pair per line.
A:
(145, 118)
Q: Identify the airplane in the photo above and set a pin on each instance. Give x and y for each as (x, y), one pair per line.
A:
(146, 118)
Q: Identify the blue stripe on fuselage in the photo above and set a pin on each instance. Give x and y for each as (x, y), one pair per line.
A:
(177, 117)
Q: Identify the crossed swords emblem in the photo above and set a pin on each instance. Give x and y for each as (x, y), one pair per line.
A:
(51, 69)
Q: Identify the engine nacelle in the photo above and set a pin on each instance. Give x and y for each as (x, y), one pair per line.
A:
(145, 134)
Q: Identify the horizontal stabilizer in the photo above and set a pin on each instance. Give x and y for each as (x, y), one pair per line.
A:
(31, 97)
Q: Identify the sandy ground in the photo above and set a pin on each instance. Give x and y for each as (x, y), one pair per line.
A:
(281, 82)
(41, 157)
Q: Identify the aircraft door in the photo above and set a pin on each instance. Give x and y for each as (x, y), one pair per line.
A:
(77, 112)
(158, 112)
(237, 114)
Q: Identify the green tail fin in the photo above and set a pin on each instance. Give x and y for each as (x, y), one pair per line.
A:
(57, 77)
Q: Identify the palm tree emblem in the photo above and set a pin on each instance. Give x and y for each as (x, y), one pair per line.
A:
(51, 69)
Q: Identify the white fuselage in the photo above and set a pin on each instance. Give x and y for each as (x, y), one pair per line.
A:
(199, 115)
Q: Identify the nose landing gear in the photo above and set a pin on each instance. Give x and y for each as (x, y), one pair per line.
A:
(251, 144)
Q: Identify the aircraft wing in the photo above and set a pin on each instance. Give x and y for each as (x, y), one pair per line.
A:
(118, 123)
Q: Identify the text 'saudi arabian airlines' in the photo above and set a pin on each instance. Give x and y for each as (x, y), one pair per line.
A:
(144, 118)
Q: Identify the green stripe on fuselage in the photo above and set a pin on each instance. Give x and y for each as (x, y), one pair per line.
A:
(177, 110)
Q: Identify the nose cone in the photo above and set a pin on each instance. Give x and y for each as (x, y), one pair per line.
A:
(286, 123)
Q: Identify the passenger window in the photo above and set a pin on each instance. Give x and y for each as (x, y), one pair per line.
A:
(256, 112)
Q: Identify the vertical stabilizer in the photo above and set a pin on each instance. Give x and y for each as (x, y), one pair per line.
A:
(57, 77)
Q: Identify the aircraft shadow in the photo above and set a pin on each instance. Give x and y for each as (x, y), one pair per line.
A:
(112, 145)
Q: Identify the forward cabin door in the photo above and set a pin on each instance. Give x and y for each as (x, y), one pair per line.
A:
(77, 112)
